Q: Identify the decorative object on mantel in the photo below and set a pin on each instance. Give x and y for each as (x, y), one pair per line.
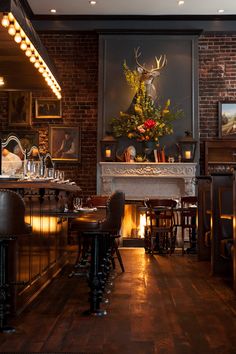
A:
(187, 147)
(130, 154)
(140, 158)
(108, 148)
(146, 119)
(159, 155)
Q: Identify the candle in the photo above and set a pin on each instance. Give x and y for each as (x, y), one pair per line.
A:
(108, 152)
(187, 154)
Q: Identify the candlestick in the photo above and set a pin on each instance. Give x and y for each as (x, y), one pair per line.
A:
(108, 152)
(187, 155)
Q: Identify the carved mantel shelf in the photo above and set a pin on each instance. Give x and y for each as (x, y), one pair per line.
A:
(143, 180)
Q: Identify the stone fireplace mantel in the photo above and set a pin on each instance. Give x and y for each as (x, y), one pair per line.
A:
(147, 180)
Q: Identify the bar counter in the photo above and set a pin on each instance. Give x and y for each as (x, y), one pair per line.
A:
(36, 258)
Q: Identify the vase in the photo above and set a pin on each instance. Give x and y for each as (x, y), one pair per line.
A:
(151, 144)
(149, 147)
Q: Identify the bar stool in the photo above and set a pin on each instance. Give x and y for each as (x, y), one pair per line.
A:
(188, 222)
(12, 225)
(94, 201)
(102, 234)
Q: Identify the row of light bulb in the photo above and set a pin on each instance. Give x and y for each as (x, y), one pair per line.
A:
(14, 29)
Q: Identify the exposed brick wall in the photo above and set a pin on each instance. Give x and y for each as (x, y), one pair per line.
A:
(76, 58)
(217, 78)
(217, 81)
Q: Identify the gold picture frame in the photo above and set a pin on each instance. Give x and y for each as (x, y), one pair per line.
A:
(48, 108)
(20, 105)
(227, 120)
(64, 143)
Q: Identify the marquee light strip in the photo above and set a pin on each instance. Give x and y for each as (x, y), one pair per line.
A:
(9, 22)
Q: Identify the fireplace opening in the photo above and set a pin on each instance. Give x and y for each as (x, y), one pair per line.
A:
(134, 220)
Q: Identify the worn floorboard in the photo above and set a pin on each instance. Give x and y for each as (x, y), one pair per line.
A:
(161, 305)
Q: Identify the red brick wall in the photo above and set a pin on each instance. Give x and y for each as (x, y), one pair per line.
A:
(76, 58)
(217, 78)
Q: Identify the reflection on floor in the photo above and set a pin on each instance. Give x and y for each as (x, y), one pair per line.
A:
(161, 304)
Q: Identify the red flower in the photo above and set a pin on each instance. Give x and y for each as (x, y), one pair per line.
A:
(149, 123)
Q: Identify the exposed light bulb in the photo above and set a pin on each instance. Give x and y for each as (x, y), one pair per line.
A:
(32, 59)
(53, 11)
(17, 37)
(11, 17)
(221, 11)
(28, 52)
(41, 69)
(11, 30)
(92, 2)
(37, 64)
(5, 21)
(23, 45)
(22, 33)
(180, 2)
(16, 25)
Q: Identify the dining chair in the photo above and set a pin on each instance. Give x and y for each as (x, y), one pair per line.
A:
(188, 223)
(161, 235)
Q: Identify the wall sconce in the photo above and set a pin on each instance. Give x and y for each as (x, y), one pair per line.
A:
(108, 148)
(187, 146)
(12, 26)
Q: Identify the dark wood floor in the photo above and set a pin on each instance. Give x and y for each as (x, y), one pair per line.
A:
(161, 305)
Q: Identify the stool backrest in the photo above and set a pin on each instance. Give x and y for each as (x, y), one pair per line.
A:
(12, 213)
(115, 213)
(161, 211)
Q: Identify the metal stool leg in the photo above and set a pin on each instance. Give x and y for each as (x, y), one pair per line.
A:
(94, 280)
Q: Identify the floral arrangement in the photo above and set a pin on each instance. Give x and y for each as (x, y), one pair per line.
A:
(145, 120)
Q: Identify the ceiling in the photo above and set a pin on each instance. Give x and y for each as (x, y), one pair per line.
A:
(133, 7)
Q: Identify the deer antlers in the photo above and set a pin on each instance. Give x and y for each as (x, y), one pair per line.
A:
(160, 63)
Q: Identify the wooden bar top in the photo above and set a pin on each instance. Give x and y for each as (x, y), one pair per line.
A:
(12, 184)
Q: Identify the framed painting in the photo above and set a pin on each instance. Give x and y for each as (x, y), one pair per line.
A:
(64, 143)
(20, 108)
(47, 108)
(227, 120)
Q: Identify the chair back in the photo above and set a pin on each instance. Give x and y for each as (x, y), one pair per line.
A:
(161, 212)
(12, 213)
(188, 212)
(115, 213)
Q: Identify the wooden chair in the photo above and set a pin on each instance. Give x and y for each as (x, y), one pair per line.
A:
(188, 222)
(161, 233)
